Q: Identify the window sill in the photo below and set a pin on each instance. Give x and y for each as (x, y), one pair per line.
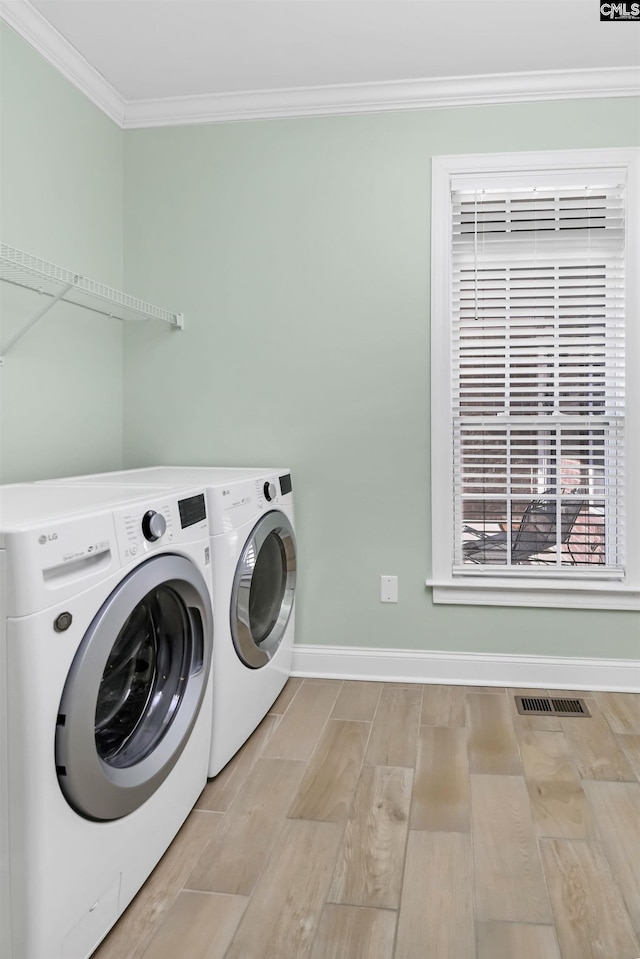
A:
(565, 595)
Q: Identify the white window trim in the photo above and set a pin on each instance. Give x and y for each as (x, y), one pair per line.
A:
(492, 590)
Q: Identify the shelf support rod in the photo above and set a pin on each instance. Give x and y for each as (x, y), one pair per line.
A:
(34, 319)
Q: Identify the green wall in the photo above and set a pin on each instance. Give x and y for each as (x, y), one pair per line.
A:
(299, 252)
(61, 174)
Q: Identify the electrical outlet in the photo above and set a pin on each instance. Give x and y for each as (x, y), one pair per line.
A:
(388, 589)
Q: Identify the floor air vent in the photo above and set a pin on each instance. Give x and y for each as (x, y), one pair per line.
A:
(548, 706)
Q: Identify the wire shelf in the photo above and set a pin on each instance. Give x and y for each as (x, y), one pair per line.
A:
(38, 275)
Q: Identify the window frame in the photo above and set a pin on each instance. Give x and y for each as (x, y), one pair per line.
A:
(506, 169)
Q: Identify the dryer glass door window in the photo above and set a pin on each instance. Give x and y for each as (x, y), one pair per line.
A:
(263, 590)
(135, 689)
(267, 589)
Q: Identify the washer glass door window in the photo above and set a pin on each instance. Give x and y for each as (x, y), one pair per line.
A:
(134, 689)
(263, 590)
(142, 685)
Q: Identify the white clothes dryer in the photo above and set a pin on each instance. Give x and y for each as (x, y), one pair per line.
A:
(254, 576)
(105, 701)
(254, 560)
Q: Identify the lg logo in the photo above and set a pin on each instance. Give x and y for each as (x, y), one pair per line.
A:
(47, 539)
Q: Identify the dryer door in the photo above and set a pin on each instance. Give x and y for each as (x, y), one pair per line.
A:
(263, 590)
(135, 689)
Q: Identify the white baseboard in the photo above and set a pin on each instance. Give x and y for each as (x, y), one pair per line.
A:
(466, 669)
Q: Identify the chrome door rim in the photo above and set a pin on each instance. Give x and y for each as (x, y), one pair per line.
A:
(96, 789)
(251, 654)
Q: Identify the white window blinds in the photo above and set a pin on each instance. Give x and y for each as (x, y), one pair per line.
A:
(538, 380)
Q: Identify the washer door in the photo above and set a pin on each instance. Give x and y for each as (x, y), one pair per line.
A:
(263, 590)
(134, 689)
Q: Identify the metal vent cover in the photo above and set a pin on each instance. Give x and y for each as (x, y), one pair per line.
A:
(550, 706)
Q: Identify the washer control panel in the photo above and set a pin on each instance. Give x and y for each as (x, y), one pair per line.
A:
(140, 528)
(146, 526)
(154, 525)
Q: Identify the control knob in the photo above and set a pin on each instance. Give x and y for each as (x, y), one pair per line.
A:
(153, 525)
(269, 491)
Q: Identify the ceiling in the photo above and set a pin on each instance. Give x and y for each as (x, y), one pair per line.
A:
(158, 50)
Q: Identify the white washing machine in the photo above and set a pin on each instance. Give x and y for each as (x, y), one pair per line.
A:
(105, 701)
(254, 578)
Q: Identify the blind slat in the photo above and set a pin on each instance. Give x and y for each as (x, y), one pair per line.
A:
(538, 377)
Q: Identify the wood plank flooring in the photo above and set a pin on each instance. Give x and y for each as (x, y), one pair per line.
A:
(396, 821)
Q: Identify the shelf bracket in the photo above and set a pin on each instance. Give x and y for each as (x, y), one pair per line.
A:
(32, 273)
(35, 319)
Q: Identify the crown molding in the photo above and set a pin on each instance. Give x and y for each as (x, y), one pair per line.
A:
(360, 98)
(29, 24)
(335, 100)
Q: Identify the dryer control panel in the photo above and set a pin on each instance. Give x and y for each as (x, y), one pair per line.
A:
(275, 489)
(235, 504)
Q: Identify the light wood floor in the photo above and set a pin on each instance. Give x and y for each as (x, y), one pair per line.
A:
(388, 821)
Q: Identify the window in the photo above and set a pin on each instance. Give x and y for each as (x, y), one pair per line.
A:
(535, 379)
